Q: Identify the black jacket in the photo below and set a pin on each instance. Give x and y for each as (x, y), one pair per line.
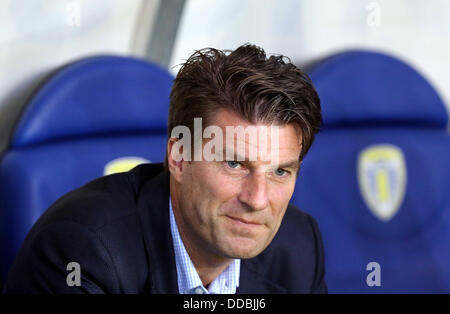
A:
(117, 229)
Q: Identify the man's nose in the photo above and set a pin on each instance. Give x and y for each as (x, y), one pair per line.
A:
(254, 191)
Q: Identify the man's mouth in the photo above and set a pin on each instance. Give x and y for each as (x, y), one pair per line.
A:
(244, 221)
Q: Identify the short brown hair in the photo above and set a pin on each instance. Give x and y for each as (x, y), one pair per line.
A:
(270, 90)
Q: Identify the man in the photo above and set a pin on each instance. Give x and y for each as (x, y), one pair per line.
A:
(213, 218)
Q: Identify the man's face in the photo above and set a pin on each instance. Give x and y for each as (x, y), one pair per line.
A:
(233, 209)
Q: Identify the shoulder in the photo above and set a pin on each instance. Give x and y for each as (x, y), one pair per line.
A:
(101, 201)
(97, 226)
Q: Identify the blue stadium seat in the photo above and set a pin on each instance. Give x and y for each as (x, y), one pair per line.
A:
(377, 177)
(93, 117)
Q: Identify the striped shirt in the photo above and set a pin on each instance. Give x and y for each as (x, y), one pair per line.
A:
(189, 281)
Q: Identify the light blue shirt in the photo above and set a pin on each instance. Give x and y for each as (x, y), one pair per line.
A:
(189, 281)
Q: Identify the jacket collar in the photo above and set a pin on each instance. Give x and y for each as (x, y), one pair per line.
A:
(153, 209)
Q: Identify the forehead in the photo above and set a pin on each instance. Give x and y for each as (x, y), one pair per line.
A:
(288, 136)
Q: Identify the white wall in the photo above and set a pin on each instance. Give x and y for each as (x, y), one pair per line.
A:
(40, 35)
(417, 31)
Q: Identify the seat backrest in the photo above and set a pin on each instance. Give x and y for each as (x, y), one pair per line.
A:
(93, 117)
(377, 177)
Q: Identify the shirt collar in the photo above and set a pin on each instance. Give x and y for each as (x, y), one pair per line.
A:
(188, 279)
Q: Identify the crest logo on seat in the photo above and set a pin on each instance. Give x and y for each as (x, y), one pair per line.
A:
(123, 164)
(382, 179)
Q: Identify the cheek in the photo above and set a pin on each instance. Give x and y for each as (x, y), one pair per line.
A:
(210, 194)
(216, 187)
(280, 198)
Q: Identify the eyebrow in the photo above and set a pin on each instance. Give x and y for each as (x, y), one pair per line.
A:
(294, 165)
(290, 164)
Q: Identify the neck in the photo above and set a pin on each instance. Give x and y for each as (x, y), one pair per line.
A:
(207, 264)
(208, 273)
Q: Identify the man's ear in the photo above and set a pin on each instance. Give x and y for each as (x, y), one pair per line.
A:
(175, 160)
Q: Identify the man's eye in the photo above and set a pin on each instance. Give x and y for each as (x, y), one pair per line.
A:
(280, 172)
(233, 164)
